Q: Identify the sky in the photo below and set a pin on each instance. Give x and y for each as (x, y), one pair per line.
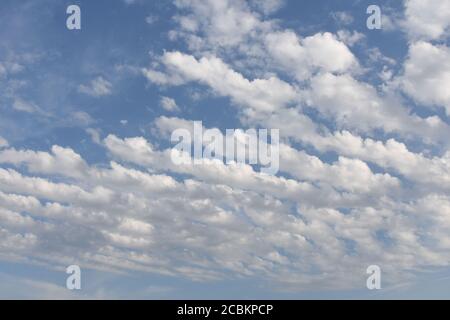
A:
(86, 176)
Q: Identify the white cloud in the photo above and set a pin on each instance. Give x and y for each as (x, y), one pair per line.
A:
(350, 38)
(82, 118)
(302, 57)
(262, 94)
(94, 134)
(169, 104)
(234, 205)
(267, 6)
(375, 55)
(60, 161)
(151, 19)
(346, 174)
(224, 23)
(391, 155)
(426, 75)
(25, 106)
(342, 17)
(378, 179)
(3, 142)
(164, 126)
(97, 87)
(356, 105)
(428, 20)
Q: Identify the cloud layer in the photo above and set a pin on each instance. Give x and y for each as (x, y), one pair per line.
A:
(364, 170)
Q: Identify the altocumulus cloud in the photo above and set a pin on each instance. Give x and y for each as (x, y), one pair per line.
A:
(381, 198)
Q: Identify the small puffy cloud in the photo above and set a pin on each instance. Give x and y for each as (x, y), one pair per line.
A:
(97, 87)
(94, 134)
(262, 94)
(169, 104)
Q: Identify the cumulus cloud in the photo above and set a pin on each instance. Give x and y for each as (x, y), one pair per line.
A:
(262, 94)
(424, 80)
(97, 87)
(169, 104)
(320, 52)
(221, 23)
(357, 105)
(60, 161)
(427, 20)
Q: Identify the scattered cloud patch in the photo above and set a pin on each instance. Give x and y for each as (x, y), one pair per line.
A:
(3, 142)
(97, 87)
(342, 17)
(169, 104)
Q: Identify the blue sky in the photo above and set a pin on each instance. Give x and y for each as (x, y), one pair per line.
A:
(364, 161)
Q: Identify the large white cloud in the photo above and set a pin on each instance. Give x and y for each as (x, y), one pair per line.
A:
(262, 94)
(426, 75)
(302, 57)
(427, 19)
(358, 106)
